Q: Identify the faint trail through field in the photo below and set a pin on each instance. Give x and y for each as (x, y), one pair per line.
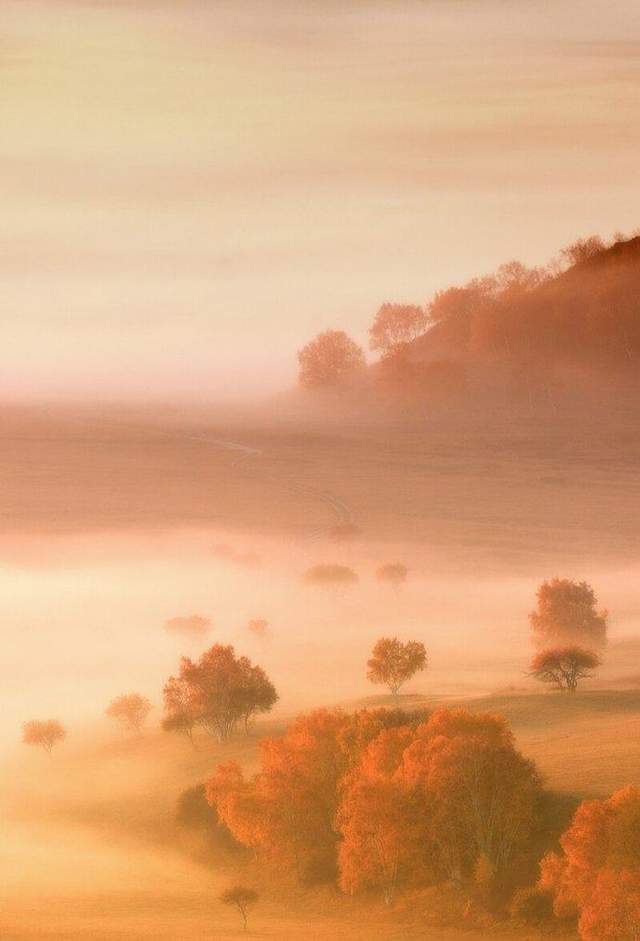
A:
(343, 513)
(247, 455)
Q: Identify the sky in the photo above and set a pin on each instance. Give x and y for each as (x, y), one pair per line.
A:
(191, 189)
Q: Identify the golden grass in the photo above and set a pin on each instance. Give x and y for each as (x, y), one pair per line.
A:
(109, 805)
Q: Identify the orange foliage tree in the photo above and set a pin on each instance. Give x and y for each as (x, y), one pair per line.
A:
(385, 837)
(130, 710)
(394, 573)
(482, 793)
(566, 613)
(216, 692)
(287, 812)
(331, 357)
(396, 324)
(563, 667)
(392, 663)
(597, 875)
(43, 732)
(182, 708)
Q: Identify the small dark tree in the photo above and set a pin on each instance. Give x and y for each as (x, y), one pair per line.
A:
(566, 614)
(130, 711)
(331, 357)
(394, 573)
(563, 667)
(240, 897)
(396, 324)
(393, 663)
(46, 733)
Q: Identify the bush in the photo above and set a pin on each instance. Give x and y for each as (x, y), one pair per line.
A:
(330, 575)
(394, 573)
(194, 812)
(532, 907)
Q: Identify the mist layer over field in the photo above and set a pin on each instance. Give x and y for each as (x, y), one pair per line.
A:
(87, 585)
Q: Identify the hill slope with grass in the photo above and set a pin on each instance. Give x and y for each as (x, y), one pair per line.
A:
(102, 823)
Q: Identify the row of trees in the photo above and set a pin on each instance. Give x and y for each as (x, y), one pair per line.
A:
(215, 693)
(499, 314)
(221, 690)
(392, 573)
(382, 800)
(129, 710)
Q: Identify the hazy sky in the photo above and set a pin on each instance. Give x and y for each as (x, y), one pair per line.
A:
(191, 188)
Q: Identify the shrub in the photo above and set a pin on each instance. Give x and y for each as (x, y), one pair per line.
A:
(330, 575)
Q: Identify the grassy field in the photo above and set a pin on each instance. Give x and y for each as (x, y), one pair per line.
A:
(105, 858)
(504, 492)
(480, 513)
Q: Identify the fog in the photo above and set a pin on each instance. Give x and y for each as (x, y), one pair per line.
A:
(192, 190)
(84, 620)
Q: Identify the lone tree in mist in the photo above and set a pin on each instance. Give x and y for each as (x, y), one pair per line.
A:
(331, 357)
(563, 667)
(215, 693)
(392, 663)
(566, 613)
(130, 710)
(395, 325)
(394, 573)
(330, 575)
(194, 625)
(43, 732)
(240, 897)
(259, 627)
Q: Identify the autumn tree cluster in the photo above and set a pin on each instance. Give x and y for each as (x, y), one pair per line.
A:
(130, 711)
(595, 878)
(383, 801)
(216, 693)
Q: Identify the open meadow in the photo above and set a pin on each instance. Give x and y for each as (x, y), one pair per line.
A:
(92, 843)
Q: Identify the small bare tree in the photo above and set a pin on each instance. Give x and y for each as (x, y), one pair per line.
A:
(43, 732)
(130, 711)
(240, 897)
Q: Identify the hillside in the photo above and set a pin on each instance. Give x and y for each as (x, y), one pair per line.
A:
(588, 315)
(101, 823)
